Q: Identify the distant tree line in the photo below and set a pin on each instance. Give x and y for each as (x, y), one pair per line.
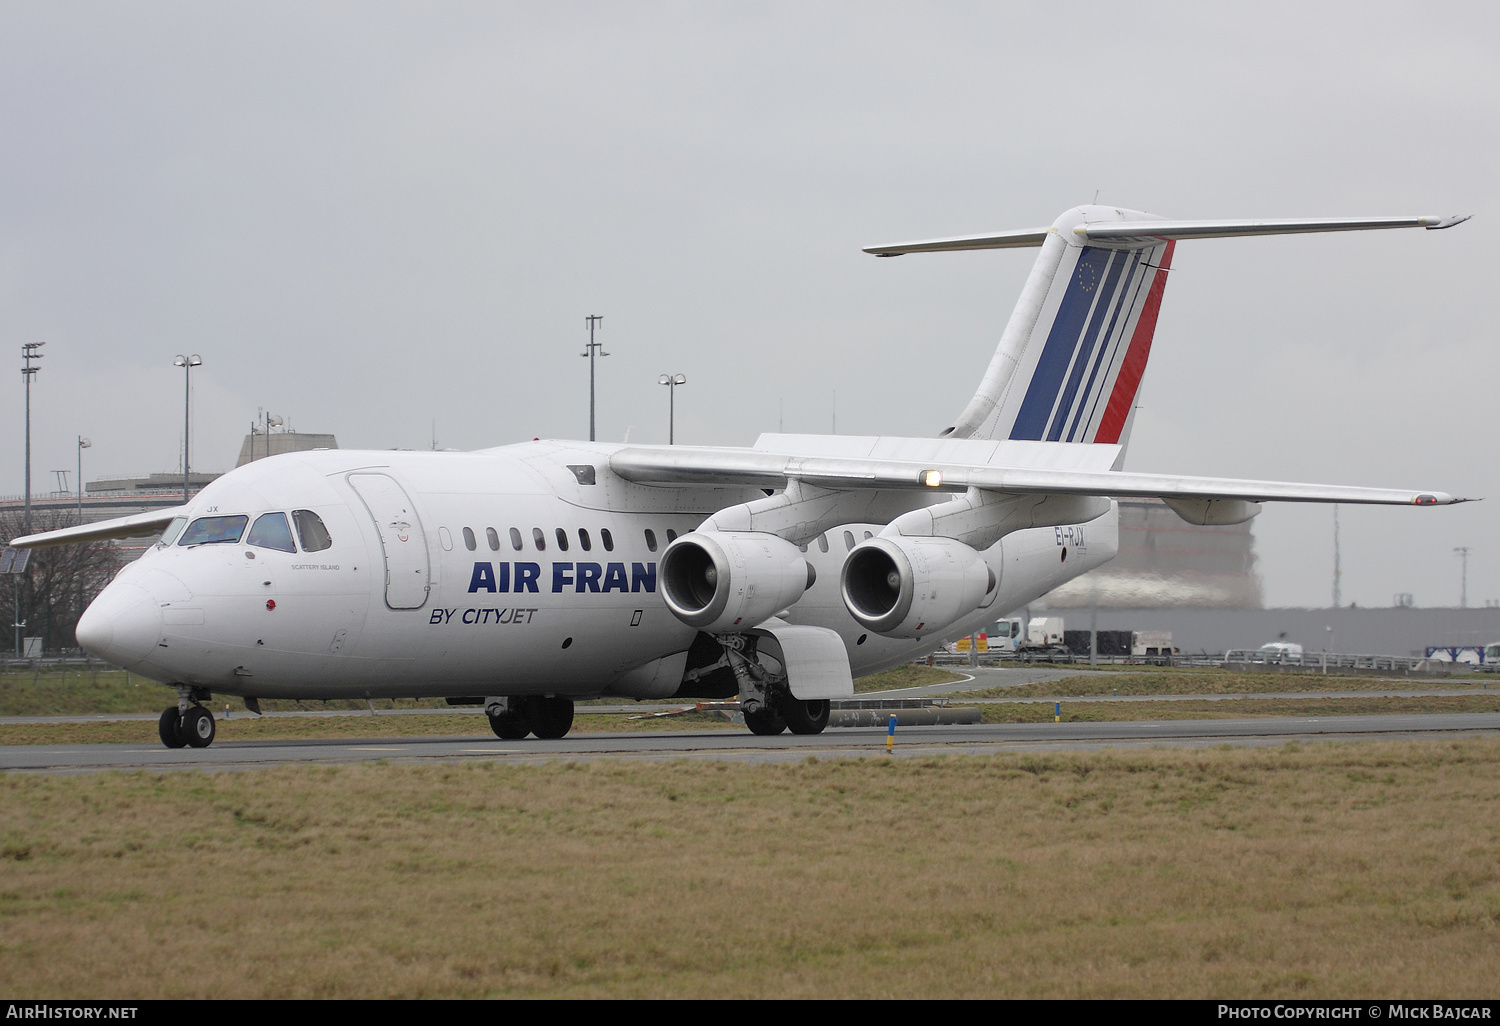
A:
(57, 585)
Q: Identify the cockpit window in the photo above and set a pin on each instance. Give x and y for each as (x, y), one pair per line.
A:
(311, 530)
(214, 531)
(271, 532)
(173, 530)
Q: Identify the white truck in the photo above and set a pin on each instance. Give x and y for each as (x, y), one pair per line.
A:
(1040, 634)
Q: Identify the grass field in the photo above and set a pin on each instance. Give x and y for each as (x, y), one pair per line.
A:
(80, 692)
(1326, 870)
(1211, 681)
(1234, 708)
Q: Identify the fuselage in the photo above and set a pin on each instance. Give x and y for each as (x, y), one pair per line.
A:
(524, 570)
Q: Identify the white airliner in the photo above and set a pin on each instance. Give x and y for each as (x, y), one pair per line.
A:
(527, 577)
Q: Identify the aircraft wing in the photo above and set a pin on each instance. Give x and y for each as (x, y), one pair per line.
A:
(137, 526)
(679, 465)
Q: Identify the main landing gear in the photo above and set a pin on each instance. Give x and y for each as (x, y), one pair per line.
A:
(766, 700)
(187, 724)
(785, 712)
(514, 718)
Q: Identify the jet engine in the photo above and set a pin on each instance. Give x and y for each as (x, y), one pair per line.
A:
(722, 581)
(905, 587)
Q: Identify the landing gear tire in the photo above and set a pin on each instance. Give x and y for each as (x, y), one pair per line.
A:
(198, 727)
(511, 726)
(804, 717)
(551, 718)
(765, 721)
(169, 728)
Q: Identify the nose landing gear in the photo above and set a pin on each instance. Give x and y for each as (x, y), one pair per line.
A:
(187, 724)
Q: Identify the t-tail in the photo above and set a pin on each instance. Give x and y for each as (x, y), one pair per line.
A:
(1071, 359)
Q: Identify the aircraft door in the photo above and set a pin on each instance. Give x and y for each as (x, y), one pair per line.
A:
(408, 571)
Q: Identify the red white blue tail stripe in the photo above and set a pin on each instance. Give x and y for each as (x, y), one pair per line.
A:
(1089, 347)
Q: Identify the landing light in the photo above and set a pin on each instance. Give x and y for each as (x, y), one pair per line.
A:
(932, 478)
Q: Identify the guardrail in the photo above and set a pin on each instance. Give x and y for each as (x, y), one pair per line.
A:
(1239, 658)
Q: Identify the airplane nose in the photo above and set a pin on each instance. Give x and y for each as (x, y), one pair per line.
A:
(122, 626)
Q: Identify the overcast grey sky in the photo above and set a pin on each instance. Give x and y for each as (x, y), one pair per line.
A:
(370, 217)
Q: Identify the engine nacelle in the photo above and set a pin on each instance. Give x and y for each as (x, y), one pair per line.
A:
(909, 587)
(726, 580)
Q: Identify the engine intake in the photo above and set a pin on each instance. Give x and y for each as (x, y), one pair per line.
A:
(721, 581)
(910, 587)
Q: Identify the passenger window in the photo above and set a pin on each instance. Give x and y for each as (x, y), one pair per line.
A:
(562, 540)
(540, 539)
(607, 538)
(650, 539)
(271, 532)
(469, 542)
(671, 536)
(493, 538)
(822, 543)
(848, 540)
(583, 540)
(515, 539)
(173, 530)
(214, 531)
(310, 530)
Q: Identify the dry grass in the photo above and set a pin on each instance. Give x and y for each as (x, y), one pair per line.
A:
(78, 691)
(909, 675)
(1196, 681)
(1295, 872)
(245, 727)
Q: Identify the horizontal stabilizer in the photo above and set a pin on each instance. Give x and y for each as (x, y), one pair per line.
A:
(138, 526)
(1019, 239)
(1145, 231)
(1131, 231)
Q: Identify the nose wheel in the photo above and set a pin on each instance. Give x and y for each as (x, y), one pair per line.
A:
(194, 728)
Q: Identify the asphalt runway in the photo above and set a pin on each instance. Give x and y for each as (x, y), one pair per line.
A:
(742, 746)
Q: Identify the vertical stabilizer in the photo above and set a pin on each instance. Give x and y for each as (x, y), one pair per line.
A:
(1072, 357)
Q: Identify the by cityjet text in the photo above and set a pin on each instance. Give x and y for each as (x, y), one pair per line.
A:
(1442, 1010)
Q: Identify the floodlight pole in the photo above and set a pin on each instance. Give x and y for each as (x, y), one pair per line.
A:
(187, 363)
(83, 443)
(28, 353)
(589, 351)
(672, 381)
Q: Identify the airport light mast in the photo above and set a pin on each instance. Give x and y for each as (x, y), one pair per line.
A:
(83, 443)
(672, 381)
(29, 353)
(187, 363)
(589, 351)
